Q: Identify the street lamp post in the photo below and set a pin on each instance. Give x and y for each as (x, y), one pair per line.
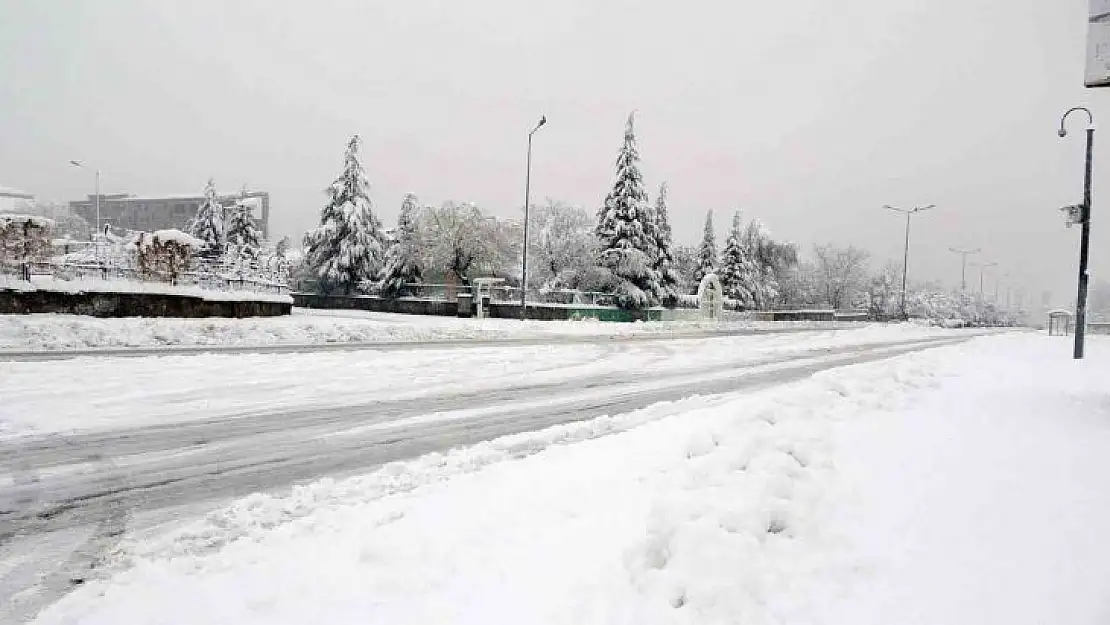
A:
(983, 267)
(96, 231)
(1085, 236)
(906, 252)
(963, 263)
(527, 201)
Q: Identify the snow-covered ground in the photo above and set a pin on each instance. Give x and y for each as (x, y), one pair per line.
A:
(121, 392)
(49, 283)
(306, 326)
(963, 484)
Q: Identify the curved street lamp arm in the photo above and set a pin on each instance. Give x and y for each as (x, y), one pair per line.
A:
(1063, 132)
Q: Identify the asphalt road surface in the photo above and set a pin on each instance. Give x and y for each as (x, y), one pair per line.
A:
(73, 496)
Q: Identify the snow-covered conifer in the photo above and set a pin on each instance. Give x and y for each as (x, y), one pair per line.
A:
(625, 228)
(208, 224)
(346, 249)
(243, 236)
(707, 252)
(665, 265)
(402, 260)
(738, 273)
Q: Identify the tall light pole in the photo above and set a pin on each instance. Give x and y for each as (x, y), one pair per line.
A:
(906, 253)
(963, 263)
(96, 232)
(1085, 237)
(983, 267)
(527, 201)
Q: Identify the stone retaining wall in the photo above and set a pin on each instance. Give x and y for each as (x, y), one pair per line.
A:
(99, 304)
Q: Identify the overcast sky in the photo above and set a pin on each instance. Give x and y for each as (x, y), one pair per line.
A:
(807, 114)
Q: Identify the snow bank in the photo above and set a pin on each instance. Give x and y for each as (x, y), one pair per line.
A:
(337, 326)
(709, 510)
(49, 283)
(985, 502)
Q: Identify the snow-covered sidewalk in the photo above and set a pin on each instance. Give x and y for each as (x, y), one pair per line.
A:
(306, 326)
(959, 485)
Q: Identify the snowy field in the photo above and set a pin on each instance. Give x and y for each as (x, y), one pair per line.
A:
(963, 484)
(306, 326)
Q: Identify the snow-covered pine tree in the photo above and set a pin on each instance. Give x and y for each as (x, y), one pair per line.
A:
(738, 272)
(346, 248)
(402, 260)
(707, 252)
(625, 227)
(208, 224)
(665, 264)
(243, 236)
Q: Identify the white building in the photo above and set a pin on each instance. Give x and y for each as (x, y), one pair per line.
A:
(14, 200)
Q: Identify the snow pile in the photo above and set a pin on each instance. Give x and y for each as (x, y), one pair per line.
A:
(710, 510)
(54, 332)
(985, 502)
(118, 285)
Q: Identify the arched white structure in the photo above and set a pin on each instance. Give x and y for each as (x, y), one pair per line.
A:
(711, 297)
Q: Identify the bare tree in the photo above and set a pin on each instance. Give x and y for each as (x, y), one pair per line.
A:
(459, 240)
(883, 291)
(165, 254)
(841, 272)
(564, 245)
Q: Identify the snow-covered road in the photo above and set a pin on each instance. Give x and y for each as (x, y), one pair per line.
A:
(134, 441)
(956, 486)
(959, 485)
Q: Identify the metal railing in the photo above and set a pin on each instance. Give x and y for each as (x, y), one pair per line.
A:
(504, 294)
(209, 276)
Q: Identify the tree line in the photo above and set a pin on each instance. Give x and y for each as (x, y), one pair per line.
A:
(625, 249)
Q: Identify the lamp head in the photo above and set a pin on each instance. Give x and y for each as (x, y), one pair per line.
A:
(1062, 132)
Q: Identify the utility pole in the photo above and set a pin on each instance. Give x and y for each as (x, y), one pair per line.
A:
(96, 232)
(1085, 236)
(963, 263)
(527, 201)
(906, 251)
(983, 267)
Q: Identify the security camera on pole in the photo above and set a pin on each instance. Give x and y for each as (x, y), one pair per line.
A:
(1083, 213)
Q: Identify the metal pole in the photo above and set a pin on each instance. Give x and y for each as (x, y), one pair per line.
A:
(1084, 250)
(1085, 237)
(527, 202)
(963, 264)
(906, 250)
(905, 265)
(524, 262)
(97, 239)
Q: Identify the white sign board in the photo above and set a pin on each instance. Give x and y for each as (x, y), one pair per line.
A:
(1098, 45)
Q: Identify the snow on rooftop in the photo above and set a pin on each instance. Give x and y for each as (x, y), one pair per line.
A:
(179, 237)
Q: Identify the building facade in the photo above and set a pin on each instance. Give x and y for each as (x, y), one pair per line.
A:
(124, 211)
